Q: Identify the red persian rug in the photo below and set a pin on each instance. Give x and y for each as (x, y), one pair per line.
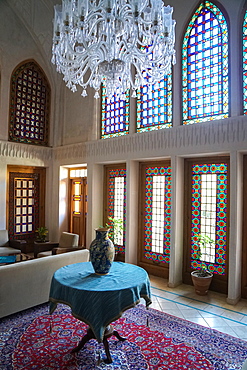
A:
(33, 339)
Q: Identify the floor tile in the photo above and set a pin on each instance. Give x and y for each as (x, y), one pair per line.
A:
(211, 311)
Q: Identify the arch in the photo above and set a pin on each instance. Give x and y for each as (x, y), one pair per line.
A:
(205, 67)
(29, 105)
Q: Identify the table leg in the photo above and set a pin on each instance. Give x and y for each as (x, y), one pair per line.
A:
(109, 331)
(84, 340)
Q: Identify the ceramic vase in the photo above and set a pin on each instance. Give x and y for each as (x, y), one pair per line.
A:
(102, 252)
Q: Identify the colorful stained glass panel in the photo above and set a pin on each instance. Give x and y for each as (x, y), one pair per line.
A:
(115, 116)
(205, 66)
(209, 214)
(157, 216)
(117, 203)
(154, 105)
(245, 63)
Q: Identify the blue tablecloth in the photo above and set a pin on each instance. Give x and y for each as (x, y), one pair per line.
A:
(99, 300)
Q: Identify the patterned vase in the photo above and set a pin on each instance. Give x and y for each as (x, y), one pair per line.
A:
(102, 252)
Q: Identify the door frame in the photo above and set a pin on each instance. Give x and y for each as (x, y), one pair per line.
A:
(41, 171)
(219, 283)
(160, 269)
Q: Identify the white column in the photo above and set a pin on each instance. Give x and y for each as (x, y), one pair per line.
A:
(176, 252)
(3, 201)
(235, 235)
(95, 180)
(131, 233)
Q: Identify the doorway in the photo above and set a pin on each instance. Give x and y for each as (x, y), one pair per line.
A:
(155, 217)
(25, 203)
(78, 203)
(206, 215)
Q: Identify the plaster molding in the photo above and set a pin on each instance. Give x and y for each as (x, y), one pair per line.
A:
(25, 151)
(209, 137)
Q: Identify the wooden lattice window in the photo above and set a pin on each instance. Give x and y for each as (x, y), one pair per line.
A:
(115, 116)
(29, 105)
(115, 202)
(156, 213)
(26, 201)
(154, 105)
(205, 66)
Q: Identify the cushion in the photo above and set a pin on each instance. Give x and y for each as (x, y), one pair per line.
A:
(5, 251)
(4, 237)
(68, 240)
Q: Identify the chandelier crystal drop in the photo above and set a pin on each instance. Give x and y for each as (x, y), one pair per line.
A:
(113, 42)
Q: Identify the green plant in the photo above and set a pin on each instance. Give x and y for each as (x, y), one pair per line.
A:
(116, 229)
(42, 231)
(203, 242)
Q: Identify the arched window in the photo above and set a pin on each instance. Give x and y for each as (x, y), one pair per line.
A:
(205, 66)
(115, 116)
(154, 105)
(29, 105)
(245, 63)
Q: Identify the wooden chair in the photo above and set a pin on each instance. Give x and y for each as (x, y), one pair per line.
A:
(68, 242)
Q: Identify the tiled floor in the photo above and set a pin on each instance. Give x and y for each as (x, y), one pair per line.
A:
(211, 310)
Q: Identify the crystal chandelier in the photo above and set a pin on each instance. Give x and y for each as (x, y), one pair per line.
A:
(113, 42)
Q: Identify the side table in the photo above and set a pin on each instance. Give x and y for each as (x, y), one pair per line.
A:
(98, 300)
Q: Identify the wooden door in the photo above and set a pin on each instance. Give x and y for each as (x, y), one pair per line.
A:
(155, 217)
(25, 203)
(78, 208)
(206, 213)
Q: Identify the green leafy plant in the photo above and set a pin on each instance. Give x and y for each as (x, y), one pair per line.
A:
(116, 229)
(42, 231)
(203, 242)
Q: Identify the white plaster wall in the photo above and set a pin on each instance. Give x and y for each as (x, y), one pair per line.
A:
(75, 132)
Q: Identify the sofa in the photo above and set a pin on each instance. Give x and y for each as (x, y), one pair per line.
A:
(26, 284)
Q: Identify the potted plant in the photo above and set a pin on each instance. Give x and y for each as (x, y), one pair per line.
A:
(202, 277)
(42, 231)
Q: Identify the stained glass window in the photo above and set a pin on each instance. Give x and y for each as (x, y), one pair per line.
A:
(116, 204)
(209, 215)
(157, 214)
(245, 63)
(29, 105)
(154, 105)
(205, 66)
(115, 116)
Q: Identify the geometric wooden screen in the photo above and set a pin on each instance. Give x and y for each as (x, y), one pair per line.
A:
(245, 63)
(209, 214)
(205, 66)
(29, 105)
(206, 214)
(154, 236)
(154, 105)
(157, 213)
(114, 116)
(115, 201)
(26, 204)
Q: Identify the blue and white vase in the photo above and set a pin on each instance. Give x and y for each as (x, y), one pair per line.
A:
(102, 252)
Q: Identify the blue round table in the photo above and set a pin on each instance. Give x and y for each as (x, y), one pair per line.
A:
(98, 300)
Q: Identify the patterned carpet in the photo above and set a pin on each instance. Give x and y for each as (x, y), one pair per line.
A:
(33, 339)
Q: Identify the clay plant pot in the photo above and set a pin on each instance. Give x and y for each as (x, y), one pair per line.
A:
(201, 283)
